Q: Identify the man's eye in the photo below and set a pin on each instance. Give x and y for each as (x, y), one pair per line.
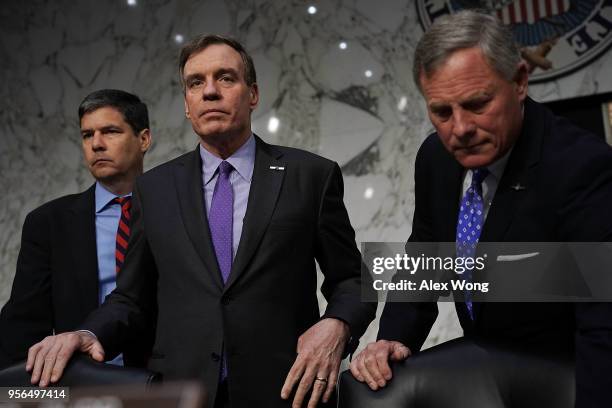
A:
(226, 78)
(442, 113)
(195, 83)
(86, 135)
(476, 106)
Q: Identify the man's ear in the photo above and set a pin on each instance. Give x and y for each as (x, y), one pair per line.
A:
(186, 108)
(145, 140)
(254, 96)
(521, 80)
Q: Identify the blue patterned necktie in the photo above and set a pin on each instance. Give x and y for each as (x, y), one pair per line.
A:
(469, 226)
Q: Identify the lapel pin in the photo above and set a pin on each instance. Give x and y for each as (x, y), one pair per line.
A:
(279, 168)
(518, 187)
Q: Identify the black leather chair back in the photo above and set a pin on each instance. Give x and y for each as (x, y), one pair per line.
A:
(83, 371)
(463, 374)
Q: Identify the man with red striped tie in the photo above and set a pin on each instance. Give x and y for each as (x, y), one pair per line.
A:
(73, 247)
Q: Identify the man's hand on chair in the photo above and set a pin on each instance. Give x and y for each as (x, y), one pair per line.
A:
(47, 359)
(372, 364)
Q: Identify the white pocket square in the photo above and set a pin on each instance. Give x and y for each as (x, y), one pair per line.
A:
(517, 257)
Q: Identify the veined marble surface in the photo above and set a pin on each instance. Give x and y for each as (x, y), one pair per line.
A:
(335, 80)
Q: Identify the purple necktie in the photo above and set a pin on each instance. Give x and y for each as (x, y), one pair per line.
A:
(469, 225)
(221, 219)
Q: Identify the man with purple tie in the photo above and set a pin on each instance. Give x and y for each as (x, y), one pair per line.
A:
(223, 247)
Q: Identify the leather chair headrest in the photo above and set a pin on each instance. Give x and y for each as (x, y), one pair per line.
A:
(83, 371)
(462, 373)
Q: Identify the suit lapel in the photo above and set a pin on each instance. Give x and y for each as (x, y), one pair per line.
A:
(452, 177)
(515, 181)
(81, 234)
(190, 193)
(263, 194)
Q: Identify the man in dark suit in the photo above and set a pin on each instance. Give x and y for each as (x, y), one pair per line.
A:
(67, 262)
(223, 245)
(529, 177)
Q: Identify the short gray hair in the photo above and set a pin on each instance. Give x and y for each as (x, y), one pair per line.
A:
(466, 29)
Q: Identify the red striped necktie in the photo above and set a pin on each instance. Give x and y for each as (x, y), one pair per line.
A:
(123, 231)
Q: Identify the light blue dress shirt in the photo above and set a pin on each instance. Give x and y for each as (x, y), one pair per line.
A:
(243, 161)
(108, 215)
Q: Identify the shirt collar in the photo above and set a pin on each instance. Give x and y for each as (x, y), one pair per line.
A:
(497, 168)
(104, 197)
(243, 161)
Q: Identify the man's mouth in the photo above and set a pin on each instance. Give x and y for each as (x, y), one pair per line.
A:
(471, 147)
(101, 161)
(212, 112)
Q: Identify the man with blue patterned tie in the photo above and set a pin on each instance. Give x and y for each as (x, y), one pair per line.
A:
(224, 243)
(500, 168)
(73, 247)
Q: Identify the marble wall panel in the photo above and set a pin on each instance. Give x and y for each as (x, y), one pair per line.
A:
(336, 82)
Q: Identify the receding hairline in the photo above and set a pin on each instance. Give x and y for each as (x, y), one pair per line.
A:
(443, 62)
(204, 41)
(242, 69)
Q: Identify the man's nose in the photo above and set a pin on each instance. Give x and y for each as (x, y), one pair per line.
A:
(97, 141)
(211, 92)
(463, 124)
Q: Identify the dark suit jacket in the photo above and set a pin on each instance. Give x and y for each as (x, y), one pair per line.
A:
(56, 282)
(567, 175)
(293, 217)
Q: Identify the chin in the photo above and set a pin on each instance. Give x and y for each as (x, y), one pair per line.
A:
(211, 132)
(475, 161)
(103, 174)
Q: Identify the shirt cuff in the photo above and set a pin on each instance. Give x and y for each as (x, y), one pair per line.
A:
(90, 332)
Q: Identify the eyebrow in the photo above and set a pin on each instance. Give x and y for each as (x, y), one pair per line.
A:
(477, 97)
(217, 73)
(111, 127)
(222, 71)
(191, 77)
(103, 129)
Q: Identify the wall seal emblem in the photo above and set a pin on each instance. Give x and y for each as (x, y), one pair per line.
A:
(556, 37)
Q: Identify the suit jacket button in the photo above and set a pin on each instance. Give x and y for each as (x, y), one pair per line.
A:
(215, 357)
(225, 300)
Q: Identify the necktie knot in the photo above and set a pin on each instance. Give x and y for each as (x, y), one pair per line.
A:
(478, 175)
(225, 168)
(125, 203)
